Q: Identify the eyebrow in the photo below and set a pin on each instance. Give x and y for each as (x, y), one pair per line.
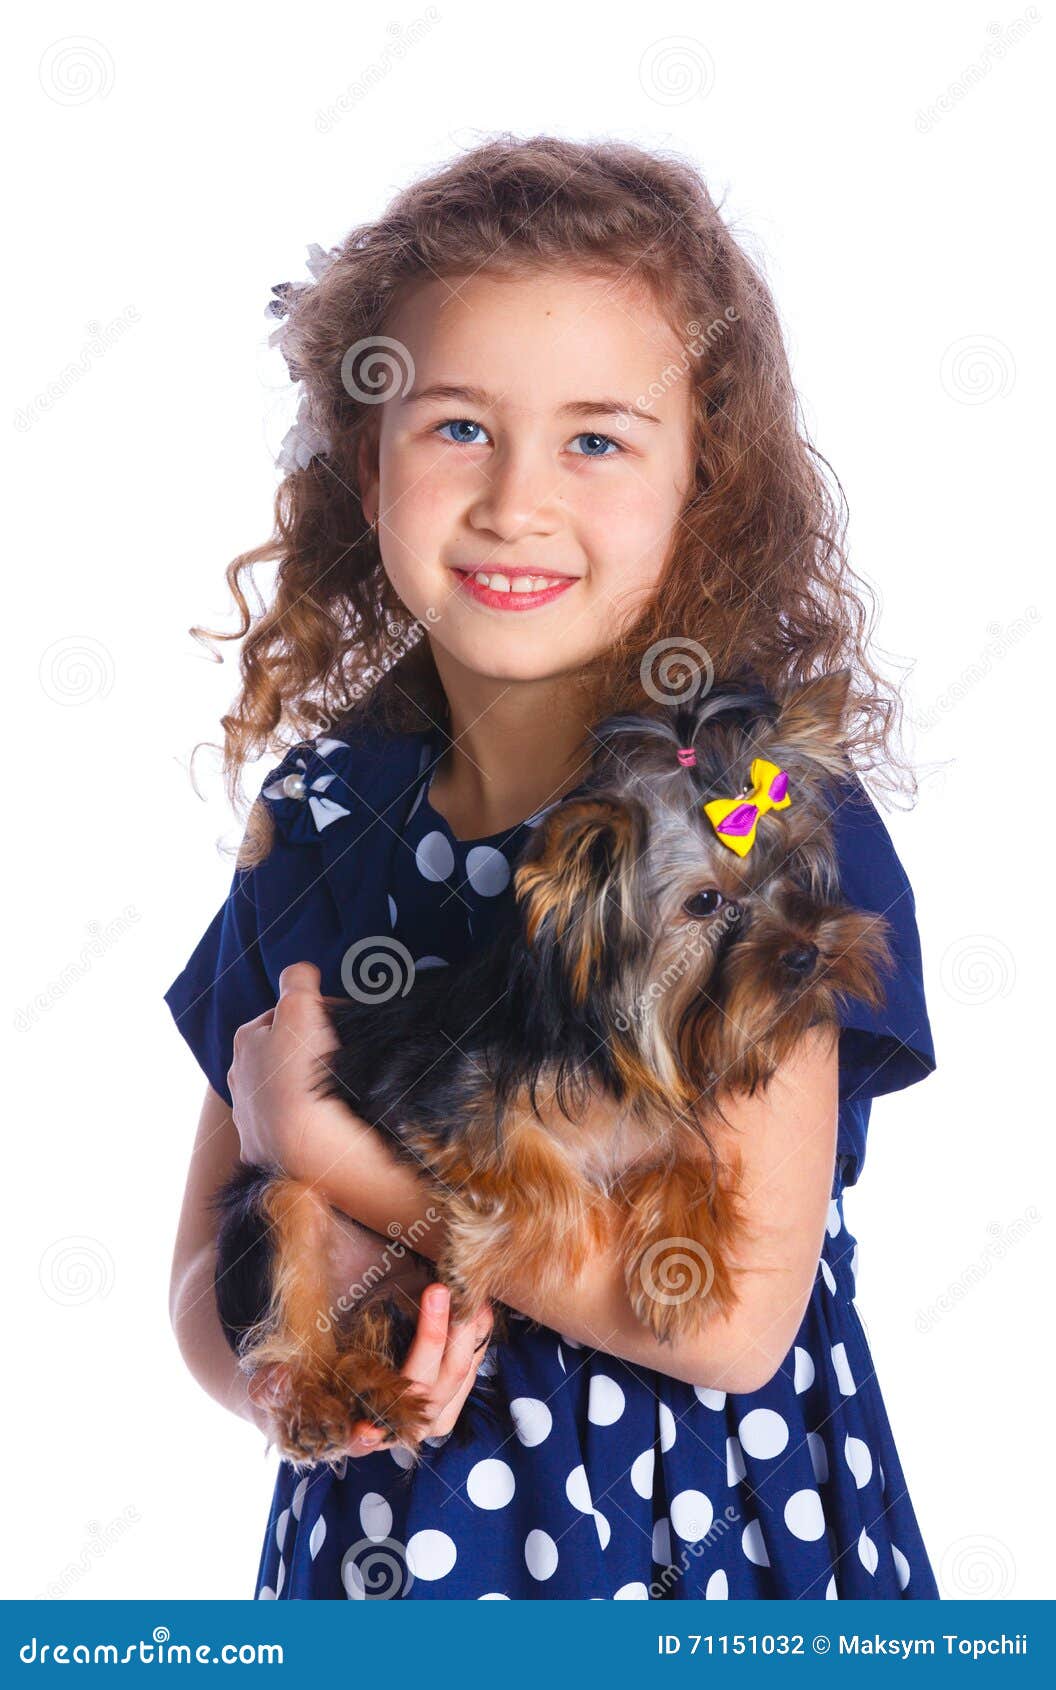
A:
(573, 408)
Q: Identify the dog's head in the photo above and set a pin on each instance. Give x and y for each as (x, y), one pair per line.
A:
(691, 903)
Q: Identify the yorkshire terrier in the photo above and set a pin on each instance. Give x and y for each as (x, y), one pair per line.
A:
(678, 928)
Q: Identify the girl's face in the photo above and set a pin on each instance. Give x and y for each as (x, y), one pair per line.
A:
(547, 431)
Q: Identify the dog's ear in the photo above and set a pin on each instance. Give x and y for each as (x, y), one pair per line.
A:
(577, 887)
(813, 718)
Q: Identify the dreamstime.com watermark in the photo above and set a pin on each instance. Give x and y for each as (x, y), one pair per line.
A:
(160, 1648)
(402, 1244)
(1001, 1242)
(403, 38)
(1002, 37)
(672, 1573)
(704, 937)
(103, 939)
(1004, 638)
(101, 1539)
(102, 337)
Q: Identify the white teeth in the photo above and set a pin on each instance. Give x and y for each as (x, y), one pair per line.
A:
(500, 583)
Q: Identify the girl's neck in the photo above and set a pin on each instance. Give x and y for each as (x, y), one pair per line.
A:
(514, 748)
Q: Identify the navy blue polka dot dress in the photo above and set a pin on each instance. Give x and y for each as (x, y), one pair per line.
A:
(597, 1479)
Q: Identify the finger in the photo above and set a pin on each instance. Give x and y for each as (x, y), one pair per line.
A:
(297, 978)
(426, 1354)
(449, 1413)
(460, 1358)
(422, 1365)
(264, 1019)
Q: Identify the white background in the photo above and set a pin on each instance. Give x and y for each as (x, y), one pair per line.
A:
(156, 202)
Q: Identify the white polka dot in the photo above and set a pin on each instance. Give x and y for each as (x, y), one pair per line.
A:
(844, 1377)
(717, 1588)
(735, 1468)
(573, 1343)
(375, 1516)
(402, 1457)
(297, 1500)
(710, 1398)
(493, 1596)
(561, 1359)
(490, 1484)
(830, 1590)
(488, 870)
(280, 1529)
(691, 1515)
(317, 1537)
(642, 1472)
(854, 1266)
(421, 962)
(540, 1554)
(352, 1579)
(753, 1545)
(668, 1429)
(804, 1378)
(763, 1434)
(431, 1554)
(635, 1592)
(604, 1529)
(833, 1222)
(804, 1515)
(392, 909)
(662, 1542)
(819, 1456)
(532, 1420)
(434, 856)
(281, 1578)
(266, 1594)
(605, 1401)
(828, 1276)
(856, 1453)
(577, 1489)
(883, 1481)
(901, 1567)
(867, 1554)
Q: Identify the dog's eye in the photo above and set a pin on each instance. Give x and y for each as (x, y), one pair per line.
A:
(703, 904)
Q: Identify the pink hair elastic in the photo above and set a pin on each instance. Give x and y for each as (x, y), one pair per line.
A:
(687, 756)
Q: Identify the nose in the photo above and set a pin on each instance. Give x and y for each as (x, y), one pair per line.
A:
(516, 501)
(801, 959)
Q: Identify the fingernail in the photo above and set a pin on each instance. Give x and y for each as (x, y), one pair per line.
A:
(436, 1298)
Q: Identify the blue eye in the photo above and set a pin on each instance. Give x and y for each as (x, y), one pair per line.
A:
(460, 422)
(604, 439)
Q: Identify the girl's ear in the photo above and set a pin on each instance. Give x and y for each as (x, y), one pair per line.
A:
(812, 718)
(578, 890)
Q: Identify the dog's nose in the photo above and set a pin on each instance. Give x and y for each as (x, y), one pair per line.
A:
(802, 959)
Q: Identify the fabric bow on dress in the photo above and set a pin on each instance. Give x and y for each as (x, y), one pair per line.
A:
(298, 794)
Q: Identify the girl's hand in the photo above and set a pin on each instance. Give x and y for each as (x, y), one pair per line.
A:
(275, 1063)
(443, 1357)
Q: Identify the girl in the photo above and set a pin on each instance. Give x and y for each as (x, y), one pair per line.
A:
(547, 442)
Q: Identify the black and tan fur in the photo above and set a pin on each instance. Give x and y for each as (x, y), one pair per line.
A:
(557, 1089)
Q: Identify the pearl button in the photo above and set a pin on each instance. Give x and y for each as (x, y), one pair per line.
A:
(294, 786)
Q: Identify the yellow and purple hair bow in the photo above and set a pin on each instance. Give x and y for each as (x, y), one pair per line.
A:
(735, 819)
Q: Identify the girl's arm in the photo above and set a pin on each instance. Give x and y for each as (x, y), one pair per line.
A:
(444, 1356)
(786, 1138)
(192, 1303)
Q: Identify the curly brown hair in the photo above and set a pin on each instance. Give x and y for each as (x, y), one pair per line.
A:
(757, 568)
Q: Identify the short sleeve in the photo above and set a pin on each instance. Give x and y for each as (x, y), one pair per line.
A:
(223, 984)
(887, 1048)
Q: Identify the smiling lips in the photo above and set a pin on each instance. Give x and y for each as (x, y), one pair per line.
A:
(505, 591)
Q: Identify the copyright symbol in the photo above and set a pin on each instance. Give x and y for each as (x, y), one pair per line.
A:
(822, 1645)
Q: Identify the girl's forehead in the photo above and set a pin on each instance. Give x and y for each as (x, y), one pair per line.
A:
(547, 332)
